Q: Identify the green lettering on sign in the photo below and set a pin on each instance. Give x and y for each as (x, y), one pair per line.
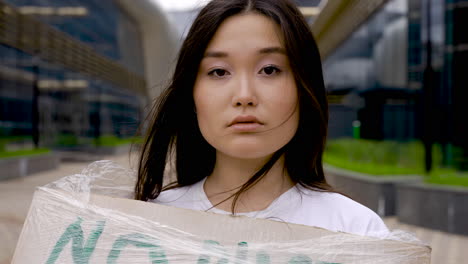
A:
(242, 250)
(303, 259)
(156, 253)
(80, 254)
(263, 258)
(216, 249)
(300, 259)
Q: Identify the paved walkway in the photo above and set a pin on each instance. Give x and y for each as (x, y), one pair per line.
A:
(16, 195)
(446, 248)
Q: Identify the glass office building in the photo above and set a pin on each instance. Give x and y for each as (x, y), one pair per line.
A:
(71, 71)
(381, 77)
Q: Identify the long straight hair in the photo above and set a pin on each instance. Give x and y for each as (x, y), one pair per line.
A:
(174, 130)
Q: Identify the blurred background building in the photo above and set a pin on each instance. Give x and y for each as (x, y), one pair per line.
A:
(74, 73)
(78, 73)
(375, 74)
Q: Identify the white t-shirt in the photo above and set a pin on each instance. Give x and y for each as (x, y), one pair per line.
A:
(298, 205)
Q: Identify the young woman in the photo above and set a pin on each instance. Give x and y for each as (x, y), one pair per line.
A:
(245, 118)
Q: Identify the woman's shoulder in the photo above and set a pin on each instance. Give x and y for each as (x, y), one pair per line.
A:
(341, 213)
(337, 201)
(170, 195)
(188, 197)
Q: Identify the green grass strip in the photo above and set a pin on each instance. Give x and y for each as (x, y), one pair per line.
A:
(370, 168)
(384, 158)
(112, 141)
(447, 176)
(20, 153)
(445, 180)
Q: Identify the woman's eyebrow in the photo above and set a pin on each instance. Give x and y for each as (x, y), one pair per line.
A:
(222, 54)
(215, 54)
(272, 50)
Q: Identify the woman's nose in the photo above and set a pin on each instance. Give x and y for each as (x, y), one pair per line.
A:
(245, 93)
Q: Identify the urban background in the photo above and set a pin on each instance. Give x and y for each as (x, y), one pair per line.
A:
(77, 78)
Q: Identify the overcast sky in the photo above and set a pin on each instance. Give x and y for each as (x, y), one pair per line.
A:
(179, 5)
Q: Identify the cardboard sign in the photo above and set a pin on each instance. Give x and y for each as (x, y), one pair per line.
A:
(63, 228)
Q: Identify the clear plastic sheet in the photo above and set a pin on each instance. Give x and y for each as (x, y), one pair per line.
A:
(89, 218)
(100, 177)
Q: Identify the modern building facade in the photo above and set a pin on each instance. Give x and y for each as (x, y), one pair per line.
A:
(71, 71)
(401, 74)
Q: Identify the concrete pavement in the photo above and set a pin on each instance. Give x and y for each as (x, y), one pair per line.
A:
(16, 196)
(446, 248)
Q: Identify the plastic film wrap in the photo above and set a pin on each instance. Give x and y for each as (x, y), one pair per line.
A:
(89, 218)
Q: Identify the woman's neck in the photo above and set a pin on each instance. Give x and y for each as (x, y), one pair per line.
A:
(231, 173)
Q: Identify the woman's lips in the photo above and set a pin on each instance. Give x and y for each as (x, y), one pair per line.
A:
(246, 127)
(245, 123)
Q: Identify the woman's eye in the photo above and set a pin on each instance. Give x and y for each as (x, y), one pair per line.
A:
(270, 70)
(218, 73)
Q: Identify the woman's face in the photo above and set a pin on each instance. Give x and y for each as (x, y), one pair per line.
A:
(245, 94)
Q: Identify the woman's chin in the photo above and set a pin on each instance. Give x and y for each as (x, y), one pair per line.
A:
(248, 148)
(249, 152)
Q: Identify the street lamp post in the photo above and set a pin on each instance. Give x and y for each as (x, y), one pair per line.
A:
(35, 106)
(428, 95)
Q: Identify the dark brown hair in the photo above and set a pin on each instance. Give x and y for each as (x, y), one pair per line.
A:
(174, 125)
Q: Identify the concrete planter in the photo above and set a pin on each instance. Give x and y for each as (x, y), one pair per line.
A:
(89, 154)
(443, 208)
(114, 150)
(22, 166)
(376, 192)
